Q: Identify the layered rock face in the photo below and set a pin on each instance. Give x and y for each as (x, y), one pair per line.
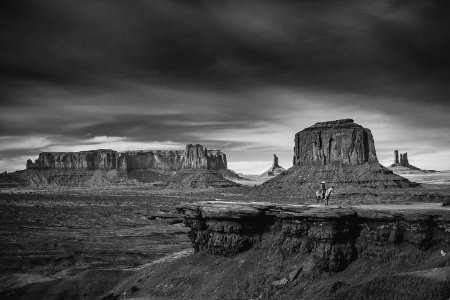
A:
(201, 167)
(165, 161)
(342, 154)
(404, 159)
(334, 142)
(331, 237)
(217, 160)
(194, 157)
(197, 157)
(102, 159)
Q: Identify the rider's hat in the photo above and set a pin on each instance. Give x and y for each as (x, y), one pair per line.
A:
(323, 182)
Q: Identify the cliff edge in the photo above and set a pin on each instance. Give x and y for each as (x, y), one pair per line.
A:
(274, 251)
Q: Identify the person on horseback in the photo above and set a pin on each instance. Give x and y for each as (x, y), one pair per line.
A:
(323, 189)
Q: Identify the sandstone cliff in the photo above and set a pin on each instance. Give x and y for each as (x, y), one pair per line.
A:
(334, 142)
(294, 251)
(161, 160)
(156, 167)
(341, 153)
(403, 167)
(334, 236)
(197, 157)
(194, 157)
(102, 159)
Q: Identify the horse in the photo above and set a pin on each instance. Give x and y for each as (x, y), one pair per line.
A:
(327, 195)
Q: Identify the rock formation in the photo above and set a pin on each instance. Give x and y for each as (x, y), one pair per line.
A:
(403, 167)
(275, 169)
(404, 159)
(275, 161)
(341, 153)
(162, 160)
(334, 142)
(102, 159)
(197, 157)
(333, 237)
(209, 166)
(308, 252)
(194, 157)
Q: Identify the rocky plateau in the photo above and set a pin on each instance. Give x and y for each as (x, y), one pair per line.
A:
(249, 250)
(121, 168)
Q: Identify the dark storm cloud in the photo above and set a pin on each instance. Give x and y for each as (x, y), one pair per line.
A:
(383, 47)
(190, 71)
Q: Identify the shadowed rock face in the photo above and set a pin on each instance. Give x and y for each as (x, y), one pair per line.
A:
(334, 142)
(161, 160)
(331, 237)
(102, 159)
(196, 167)
(194, 157)
(197, 157)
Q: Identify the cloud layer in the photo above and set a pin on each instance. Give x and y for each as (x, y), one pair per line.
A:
(241, 76)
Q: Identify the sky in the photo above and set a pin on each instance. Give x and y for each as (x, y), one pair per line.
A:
(239, 76)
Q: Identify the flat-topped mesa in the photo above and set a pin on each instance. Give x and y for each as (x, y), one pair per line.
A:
(161, 160)
(334, 142)
(194, 167)
(101, 159)
(197, 157)
(217, 160)
(194, 157)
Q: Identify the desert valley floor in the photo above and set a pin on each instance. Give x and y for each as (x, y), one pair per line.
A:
(80, 244)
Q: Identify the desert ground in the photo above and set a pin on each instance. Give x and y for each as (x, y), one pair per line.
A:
(81, 243)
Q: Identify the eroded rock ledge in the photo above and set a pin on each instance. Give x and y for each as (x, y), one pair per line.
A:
(332, 236)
